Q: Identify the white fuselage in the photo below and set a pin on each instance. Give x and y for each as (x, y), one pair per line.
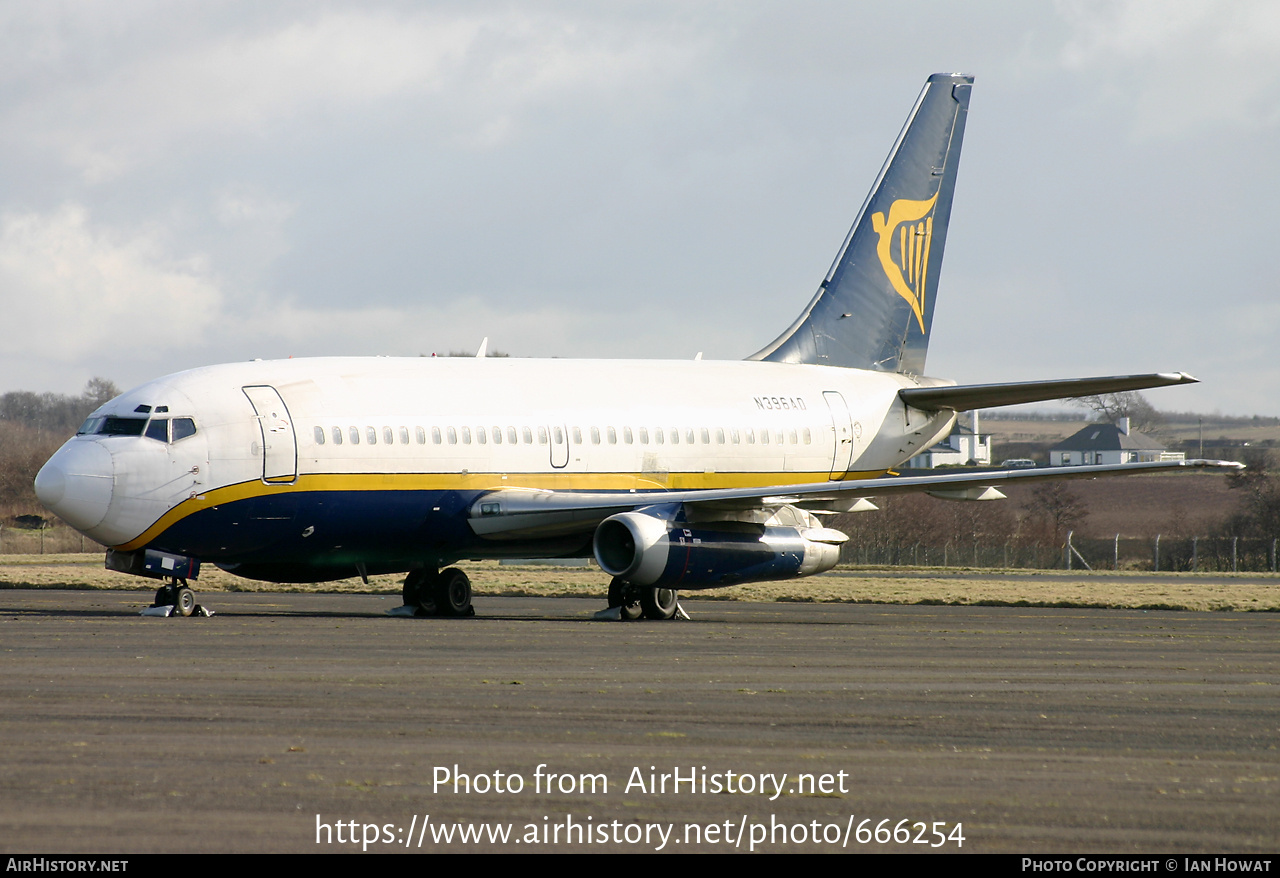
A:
(466, 426)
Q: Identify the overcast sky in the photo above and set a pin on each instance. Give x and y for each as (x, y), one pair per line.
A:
(185, 184)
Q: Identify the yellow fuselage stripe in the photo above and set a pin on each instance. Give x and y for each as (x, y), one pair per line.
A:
(319, 482)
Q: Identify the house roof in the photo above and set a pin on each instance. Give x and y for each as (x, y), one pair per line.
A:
(1107, 437)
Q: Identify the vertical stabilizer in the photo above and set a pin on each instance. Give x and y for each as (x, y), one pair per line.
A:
(875, 307)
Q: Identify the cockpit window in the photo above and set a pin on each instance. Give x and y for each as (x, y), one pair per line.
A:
(112, 426)
(160, 429)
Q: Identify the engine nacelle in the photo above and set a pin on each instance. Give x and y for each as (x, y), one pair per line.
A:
(646, 550)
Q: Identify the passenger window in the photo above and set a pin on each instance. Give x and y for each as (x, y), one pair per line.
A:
(626, 435)
(337, 435)
(421, 435)
(706, 436)
(751, 437)
(319, 435)
(158, 429)
(181, 428)
(595, 435)
(354, 433)
(466, 435)
(390, 438)
(371, 434)
(528, 436)
(613, 436)
(453, 436)
(688, 436)
(736, 436)
(577, 436)
(807, 438)
(542, 435)
(719, 435)
(435, 436)
(764, 437)
(497, 435)
(480, 436)
(792, 437)
(644, 435)
(511, 436)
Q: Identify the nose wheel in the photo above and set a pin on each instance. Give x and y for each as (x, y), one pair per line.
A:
(174, 598)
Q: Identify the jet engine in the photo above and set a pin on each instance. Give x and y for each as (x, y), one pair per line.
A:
(650, 550)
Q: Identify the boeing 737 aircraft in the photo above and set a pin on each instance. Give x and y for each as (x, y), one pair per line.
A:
(673, 475)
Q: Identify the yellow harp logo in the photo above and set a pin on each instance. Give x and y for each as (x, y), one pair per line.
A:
(910, 227)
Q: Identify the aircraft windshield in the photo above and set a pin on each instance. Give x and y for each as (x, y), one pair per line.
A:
(112, 426)
(108, 425)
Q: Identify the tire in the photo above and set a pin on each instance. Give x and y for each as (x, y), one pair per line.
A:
(618, 597)
(185, 602)
(415, 587)
(659, 603)
(453, 593)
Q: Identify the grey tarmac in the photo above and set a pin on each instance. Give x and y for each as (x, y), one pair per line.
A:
(1038, 730)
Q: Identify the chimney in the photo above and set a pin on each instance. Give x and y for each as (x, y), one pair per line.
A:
(1123, 425)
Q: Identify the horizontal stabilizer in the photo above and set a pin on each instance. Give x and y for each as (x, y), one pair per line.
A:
(967, 397)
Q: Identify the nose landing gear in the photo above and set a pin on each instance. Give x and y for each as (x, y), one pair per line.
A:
(174, 598)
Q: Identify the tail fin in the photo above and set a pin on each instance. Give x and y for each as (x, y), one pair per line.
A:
(875, 307)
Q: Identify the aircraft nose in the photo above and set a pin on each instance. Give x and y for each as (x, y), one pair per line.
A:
(76, 483)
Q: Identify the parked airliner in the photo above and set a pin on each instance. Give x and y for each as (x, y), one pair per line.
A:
(672, 475)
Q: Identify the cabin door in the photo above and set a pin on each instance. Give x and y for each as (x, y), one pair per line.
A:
(279, 444)
(842, 424)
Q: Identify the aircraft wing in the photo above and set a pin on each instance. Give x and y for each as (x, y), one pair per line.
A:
(524, 512)
(966, 397)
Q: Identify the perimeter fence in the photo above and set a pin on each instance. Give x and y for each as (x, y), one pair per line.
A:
(1160, 553)
(51, 539)
(1196, 554)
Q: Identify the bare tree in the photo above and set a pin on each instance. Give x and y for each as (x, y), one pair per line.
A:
(1060, 507)
(1259, 512)
(1110, 407)
(99, 390)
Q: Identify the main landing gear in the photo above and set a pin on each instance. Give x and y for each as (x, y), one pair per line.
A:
(633, 601)
(431, 593)
(174, 598)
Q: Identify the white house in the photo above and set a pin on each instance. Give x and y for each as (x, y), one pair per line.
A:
(1109, 443)
(964, 446)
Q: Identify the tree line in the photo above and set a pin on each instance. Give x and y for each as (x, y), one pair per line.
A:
(32, 427)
